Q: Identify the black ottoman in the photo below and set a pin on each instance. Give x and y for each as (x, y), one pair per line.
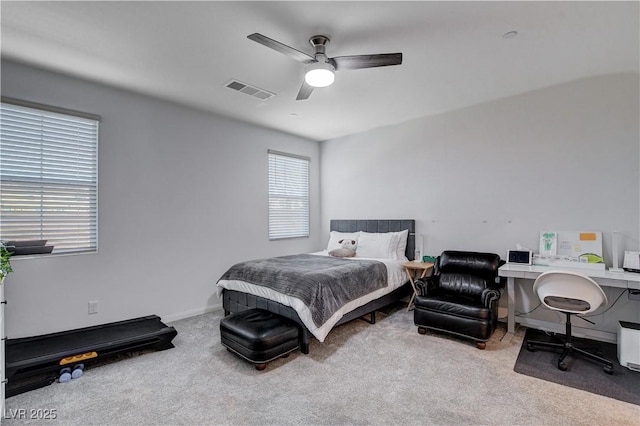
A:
(259, 336)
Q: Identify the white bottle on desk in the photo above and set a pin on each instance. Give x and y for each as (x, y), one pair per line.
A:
(419, 242)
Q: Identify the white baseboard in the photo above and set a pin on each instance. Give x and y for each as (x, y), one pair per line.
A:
(192, 313)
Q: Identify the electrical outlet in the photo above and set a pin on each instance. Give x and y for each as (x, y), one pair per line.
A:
(93, 307)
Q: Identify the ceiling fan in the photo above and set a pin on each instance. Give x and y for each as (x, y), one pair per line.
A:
(320, 68)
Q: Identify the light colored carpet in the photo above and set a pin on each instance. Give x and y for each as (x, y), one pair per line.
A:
(362, 374)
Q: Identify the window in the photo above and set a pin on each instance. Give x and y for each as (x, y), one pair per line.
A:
(288, 196)
(48, 176)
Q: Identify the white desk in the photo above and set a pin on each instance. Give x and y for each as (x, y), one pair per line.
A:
(605, 278)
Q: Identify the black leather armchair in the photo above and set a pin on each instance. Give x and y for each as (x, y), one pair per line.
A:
(461, 297)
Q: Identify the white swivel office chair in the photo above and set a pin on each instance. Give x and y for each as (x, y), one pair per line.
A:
(572, 294)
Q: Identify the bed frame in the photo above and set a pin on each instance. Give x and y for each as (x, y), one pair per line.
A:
(235, 301)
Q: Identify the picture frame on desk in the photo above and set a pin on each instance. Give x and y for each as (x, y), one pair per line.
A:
(522, 257)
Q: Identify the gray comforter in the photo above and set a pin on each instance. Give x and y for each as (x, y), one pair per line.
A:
(323, 283)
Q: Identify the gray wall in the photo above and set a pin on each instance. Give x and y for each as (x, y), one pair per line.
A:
(182, 197)
(493, 175)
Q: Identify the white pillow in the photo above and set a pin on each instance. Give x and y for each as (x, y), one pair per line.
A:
(335, 236)
(377, 245)
(400, 240)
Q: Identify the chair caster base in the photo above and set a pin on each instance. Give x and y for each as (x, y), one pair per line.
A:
(567, 349)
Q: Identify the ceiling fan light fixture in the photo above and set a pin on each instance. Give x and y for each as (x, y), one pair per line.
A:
(320, 69)
(319, 74)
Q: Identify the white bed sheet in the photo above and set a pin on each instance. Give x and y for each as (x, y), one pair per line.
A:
(396, 277)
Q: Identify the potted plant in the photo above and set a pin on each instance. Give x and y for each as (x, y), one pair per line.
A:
(5, 262)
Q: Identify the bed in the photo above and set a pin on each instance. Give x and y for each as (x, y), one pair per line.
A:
(238, 295)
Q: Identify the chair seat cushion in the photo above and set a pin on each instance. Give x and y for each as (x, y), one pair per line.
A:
(442, 314)
(258, 335)
(567, 304)
(452, 306)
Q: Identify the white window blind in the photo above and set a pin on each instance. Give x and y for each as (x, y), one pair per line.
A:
(288, 196)
(48, 177)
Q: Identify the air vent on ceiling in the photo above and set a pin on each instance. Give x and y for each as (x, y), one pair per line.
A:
(250, 90)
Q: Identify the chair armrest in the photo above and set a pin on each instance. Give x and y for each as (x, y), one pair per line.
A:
(425, 285)
(490, 296)
(421, 287)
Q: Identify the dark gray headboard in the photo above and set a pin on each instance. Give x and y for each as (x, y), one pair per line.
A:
(379, 225)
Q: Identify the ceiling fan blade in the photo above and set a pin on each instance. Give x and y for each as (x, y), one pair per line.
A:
(305, 91)
(355, 62)
(282, 48)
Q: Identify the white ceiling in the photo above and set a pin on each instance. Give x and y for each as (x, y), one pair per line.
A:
(454, 53)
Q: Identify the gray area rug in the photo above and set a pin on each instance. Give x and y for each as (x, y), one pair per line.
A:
(623, 384)
(381, 374)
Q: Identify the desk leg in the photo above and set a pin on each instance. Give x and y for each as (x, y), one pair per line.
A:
(511, 305)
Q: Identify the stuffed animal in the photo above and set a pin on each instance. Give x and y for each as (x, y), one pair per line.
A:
(347, 249)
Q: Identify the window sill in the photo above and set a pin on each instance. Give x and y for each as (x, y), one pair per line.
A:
(48, 255)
